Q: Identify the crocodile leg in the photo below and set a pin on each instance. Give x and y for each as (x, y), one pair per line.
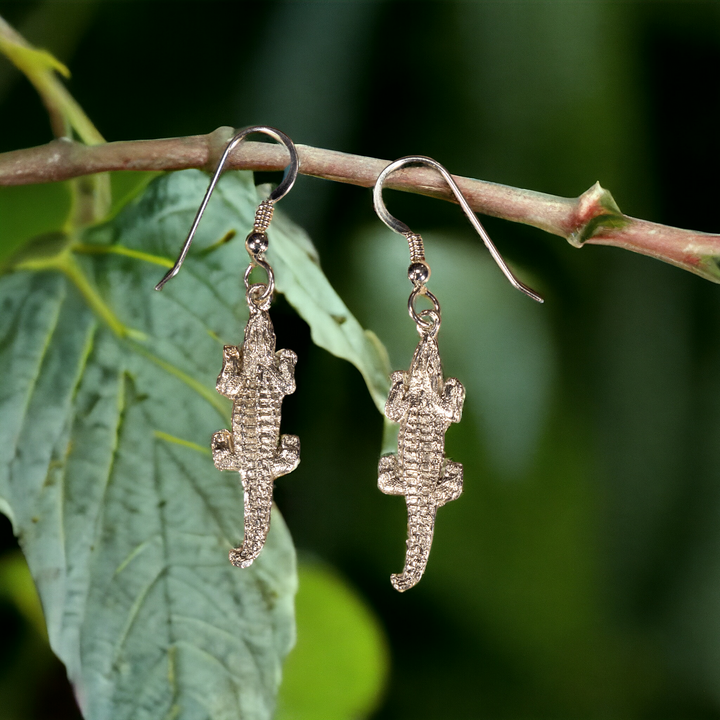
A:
(450, 485)
(451, 401)
(421, 522)
(397, 404)
(389, 479)
(223, 451)
(285, 361)
(287, 457)
(228, 382)
(258, 504)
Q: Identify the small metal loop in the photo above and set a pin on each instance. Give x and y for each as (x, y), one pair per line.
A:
(291, 173)
(427, 321)
(257, 297)
(431, 326)
(400, 227)
(260, 294)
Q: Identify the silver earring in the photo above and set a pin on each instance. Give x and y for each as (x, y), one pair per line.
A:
(254, 376)
(421, 400)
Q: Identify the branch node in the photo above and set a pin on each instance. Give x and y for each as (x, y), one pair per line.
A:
(596, 210)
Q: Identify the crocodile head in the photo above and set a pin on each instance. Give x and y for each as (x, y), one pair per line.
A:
(259, 335)
(426, 371)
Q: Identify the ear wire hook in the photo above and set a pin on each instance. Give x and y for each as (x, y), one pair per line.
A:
(402, 229)
(291, 173)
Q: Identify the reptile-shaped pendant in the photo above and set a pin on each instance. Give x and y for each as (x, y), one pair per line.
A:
(256, 378)
(425, 405)
(420, 400)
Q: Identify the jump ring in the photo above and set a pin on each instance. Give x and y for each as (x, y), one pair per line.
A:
(252, 289)
(427, 321)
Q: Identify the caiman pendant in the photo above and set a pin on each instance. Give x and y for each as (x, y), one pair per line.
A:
(420, 400)
(256, 378)
(425, 405)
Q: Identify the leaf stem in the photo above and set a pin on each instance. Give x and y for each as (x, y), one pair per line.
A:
(84, 249)
(160, 435)
(66, 263)
(92, 194)
(39, 66)
(219, 403)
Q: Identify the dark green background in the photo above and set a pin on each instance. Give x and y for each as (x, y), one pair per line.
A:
(582, 580)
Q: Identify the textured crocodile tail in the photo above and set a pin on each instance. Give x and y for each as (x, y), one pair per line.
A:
(415, 563)
(403, 581)
(239, 558)
(258, 505)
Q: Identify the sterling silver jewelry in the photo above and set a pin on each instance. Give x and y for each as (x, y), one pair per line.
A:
(421, 400)
(254, 376)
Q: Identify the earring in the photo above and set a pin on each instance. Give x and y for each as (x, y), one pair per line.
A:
(421, 400)
(254, 376)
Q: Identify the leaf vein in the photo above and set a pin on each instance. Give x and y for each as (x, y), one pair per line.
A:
(32, 386)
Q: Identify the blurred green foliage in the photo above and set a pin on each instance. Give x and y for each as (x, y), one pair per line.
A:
(578, 575)
(324, 679)
(29, 211)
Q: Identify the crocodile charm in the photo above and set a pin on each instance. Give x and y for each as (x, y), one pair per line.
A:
(421, 400)
(425, 405)
(256, 378)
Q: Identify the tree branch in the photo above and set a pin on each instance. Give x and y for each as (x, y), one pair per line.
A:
(592, 218)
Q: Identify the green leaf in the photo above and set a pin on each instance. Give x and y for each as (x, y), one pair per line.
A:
(106, 411)
(27, 211)
(126, 185)
(31, 211)
(105, 473)
(338, 668)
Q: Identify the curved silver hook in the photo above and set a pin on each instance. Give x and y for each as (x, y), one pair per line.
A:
(291, 173)
(400, 227)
